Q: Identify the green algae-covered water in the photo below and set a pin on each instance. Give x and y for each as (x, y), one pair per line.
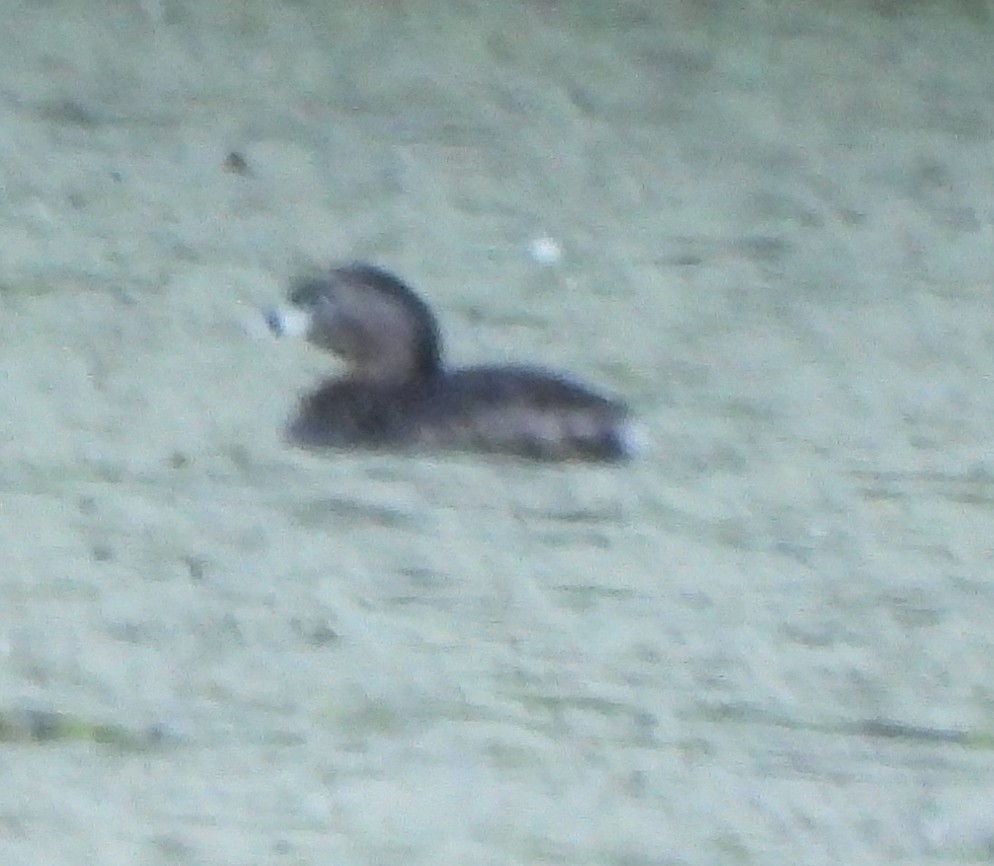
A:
(765, 641)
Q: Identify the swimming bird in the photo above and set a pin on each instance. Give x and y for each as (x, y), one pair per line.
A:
(396, 393)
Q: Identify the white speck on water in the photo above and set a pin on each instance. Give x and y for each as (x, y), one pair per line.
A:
(545, 250)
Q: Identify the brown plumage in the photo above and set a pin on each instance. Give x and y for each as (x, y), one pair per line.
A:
(396, 393)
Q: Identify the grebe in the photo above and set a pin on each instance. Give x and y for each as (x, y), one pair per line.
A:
(396, 392)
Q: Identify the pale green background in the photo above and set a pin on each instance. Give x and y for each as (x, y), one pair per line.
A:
(769, 641)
